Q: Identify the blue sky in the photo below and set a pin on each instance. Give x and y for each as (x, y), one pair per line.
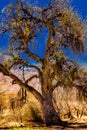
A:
(79, 5)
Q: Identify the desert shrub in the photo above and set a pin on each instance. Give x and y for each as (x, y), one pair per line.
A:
(35, 114)
(31, 111)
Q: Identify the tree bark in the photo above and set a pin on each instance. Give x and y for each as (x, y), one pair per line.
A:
(50, 115)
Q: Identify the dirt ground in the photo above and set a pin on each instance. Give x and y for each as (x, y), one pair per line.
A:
(35, 126)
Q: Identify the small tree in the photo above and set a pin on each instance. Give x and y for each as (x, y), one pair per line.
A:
(63, 29)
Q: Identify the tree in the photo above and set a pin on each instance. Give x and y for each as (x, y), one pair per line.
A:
(63, 28)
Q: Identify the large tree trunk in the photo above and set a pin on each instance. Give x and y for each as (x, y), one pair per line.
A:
(50, 115)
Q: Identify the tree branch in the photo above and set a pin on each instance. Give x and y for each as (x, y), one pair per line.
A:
(39, 71)
(32, 77)
(34, 56)
(21, 61)
(19, 82)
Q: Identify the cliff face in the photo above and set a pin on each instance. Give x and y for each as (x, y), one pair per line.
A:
(6, 85)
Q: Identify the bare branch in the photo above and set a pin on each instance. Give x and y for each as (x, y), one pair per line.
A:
(39, 71)
(34, 56)
(32, 77)
(21, 61)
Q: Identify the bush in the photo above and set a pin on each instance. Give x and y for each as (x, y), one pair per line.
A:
(35, 114)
